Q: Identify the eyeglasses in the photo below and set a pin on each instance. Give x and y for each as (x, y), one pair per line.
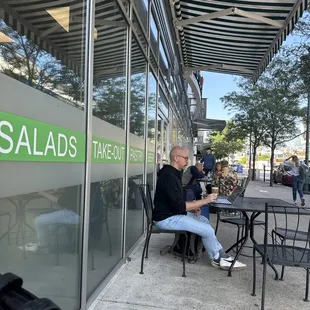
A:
(186, 158)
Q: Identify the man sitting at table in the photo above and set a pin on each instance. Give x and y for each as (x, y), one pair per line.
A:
(170, 212)
(190, 179)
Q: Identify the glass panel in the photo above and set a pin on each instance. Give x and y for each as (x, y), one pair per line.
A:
(159, 143)
(154, 35)
(42, 140)
(134, 227)
(108, 169)
(142, 10)
(162, 103)
(151, 115)
(153, 62)
(163, 55)
(139, 32)
(164, 65)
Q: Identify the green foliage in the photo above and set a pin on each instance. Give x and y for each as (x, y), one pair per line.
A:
(269, 110)
(243, 160)
(264, 157)
(226, 142)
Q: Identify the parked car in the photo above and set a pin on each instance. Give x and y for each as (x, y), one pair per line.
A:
(280, 175)
(233, 167)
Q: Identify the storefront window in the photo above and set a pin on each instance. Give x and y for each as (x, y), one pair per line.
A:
(162, 103)
(134, 224)
(154, 35)
(42, 146)
(151, 116)
(108, 167)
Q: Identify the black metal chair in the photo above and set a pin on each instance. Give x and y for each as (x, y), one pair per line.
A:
(7, 233)
(273, 253)
(285, 234)
(238, 221)
(145, 193)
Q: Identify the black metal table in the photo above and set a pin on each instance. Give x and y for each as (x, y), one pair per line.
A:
(255, 206)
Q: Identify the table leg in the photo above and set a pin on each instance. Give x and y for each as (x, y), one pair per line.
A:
(243, 241)
(253, 217)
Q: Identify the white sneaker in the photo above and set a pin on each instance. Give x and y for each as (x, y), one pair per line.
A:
(295, 203)
(34, 247)
(225, 263)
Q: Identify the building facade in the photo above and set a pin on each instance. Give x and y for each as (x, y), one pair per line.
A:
(92, 100)
(94, 94)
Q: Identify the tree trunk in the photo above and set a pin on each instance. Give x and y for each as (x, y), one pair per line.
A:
(254, 158)
(271, 164)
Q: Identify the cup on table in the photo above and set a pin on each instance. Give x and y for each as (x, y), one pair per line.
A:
(215, 190)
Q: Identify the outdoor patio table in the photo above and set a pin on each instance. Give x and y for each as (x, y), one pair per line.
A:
(254, 206)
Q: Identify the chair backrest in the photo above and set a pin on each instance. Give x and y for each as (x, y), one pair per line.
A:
(189, 195)
(292, 221)
(146, 196)
(244, 183)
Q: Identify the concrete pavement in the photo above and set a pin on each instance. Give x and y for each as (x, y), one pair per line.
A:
(205, 287)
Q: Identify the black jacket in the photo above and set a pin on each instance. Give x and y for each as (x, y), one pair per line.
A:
(168, 199)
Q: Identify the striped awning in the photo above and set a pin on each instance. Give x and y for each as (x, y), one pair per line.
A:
(236, 37)
(210, 124)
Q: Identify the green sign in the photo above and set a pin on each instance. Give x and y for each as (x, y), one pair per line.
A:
(24, 139)
(106, 151)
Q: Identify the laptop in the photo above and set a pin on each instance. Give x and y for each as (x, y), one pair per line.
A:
(229, 200)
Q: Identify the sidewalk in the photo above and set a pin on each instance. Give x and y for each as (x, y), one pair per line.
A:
(205, 287)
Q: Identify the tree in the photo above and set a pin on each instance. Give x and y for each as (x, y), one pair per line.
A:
(226, 142)
(109, 98)
(26, 61)
(248, 117)
(279, 91)
(264, 157)
(270, 108)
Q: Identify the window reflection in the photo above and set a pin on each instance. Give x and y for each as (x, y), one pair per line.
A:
(109, 106)
(40, 231)
(137, 95)
(162, 103)
(27, 62)
(42, 48)
(154, 34)
(134, 224)
(105, 232)
(151, 115)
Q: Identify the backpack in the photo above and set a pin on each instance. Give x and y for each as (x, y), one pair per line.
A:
(14, 297)
(194, 247)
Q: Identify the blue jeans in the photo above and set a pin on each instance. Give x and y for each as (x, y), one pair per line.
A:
(199, 225)
(297, 186)
(43, 221)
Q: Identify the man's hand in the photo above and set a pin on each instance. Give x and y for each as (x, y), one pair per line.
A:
(211, 198)
(198, 212)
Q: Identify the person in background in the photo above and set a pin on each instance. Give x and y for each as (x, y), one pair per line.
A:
(217, 174)
(227, 181)
(298, 177)
(171, 212)
(190, 179)
(208, 161)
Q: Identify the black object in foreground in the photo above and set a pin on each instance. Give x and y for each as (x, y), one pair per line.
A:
(14, 297)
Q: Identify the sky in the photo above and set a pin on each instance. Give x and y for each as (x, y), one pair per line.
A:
(217, 85)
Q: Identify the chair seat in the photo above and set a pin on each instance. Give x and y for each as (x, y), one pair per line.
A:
(285, 255)
(291, 234)
(239, 221)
